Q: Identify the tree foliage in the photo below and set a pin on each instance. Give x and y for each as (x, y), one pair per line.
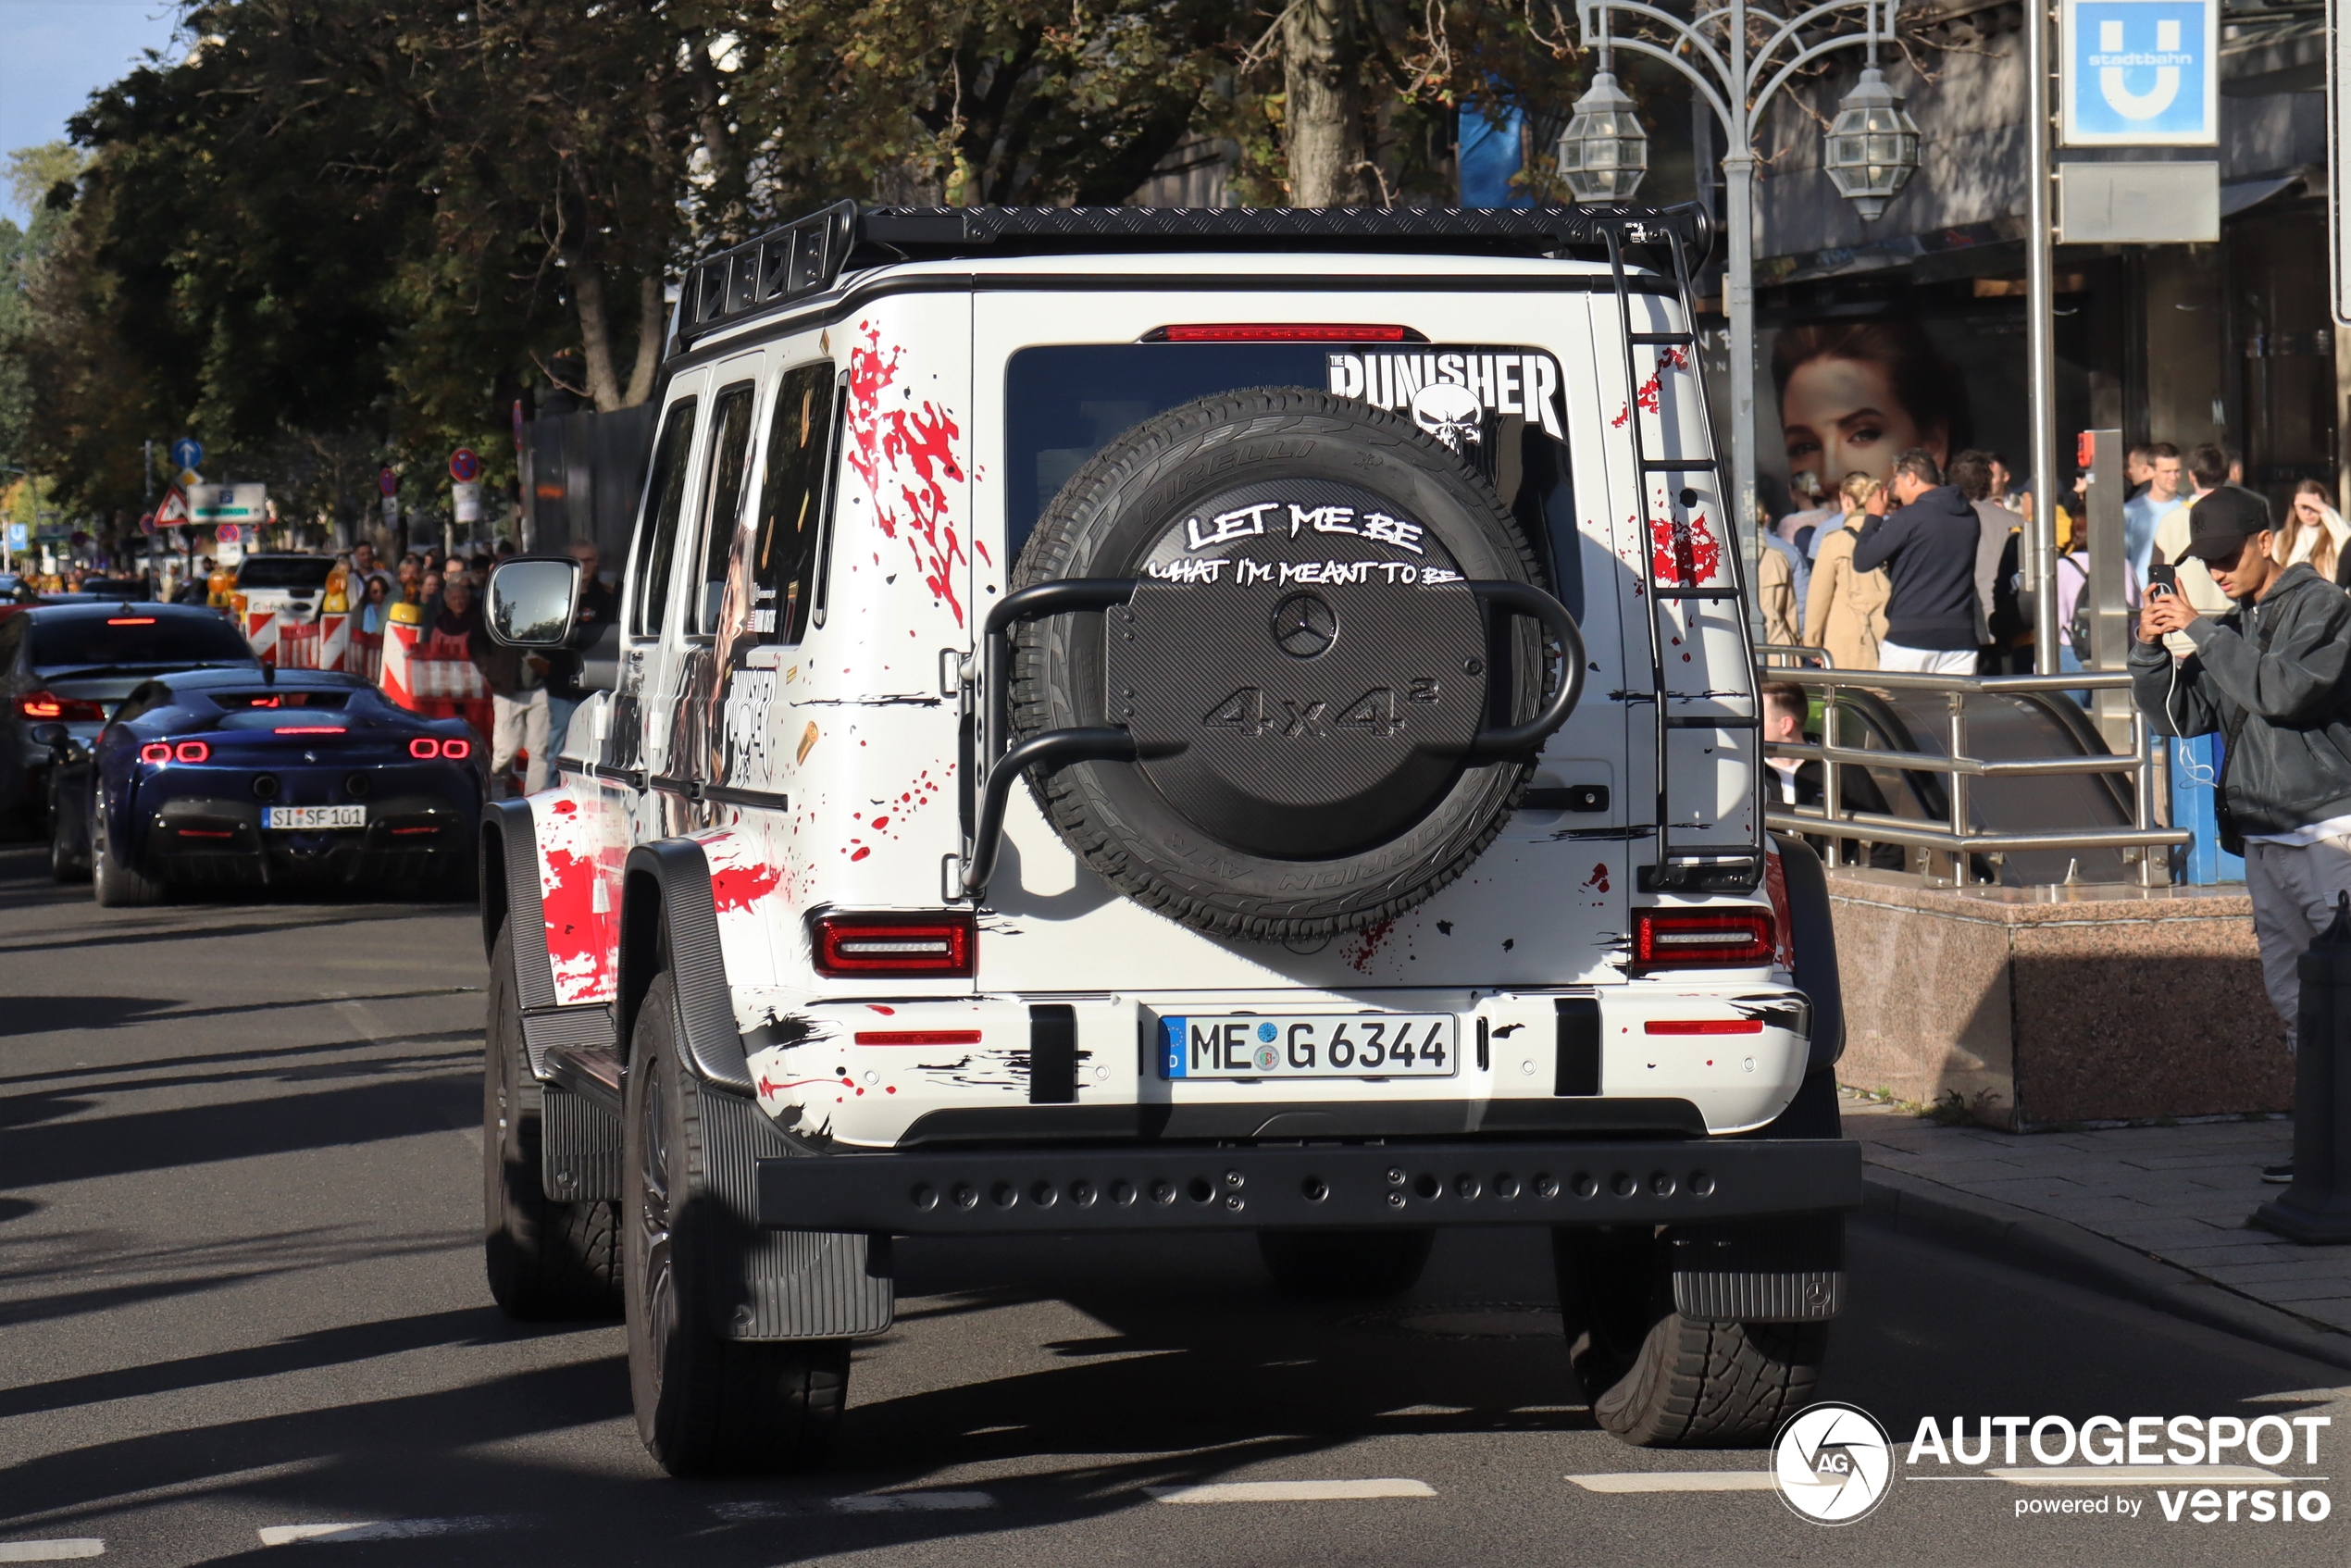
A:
(326, 233)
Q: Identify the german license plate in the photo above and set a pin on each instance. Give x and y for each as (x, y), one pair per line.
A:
(314, 816)
(1318, 1045)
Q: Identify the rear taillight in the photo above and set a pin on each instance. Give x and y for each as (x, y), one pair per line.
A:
(457, 751)
(309, 729)
(425, 749)
(73, 710)
(895, 945)
(1676, 939)
(156, 751)
(1282, 332)
(190, 751)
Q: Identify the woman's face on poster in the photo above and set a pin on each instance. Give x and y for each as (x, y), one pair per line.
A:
(1841, 416)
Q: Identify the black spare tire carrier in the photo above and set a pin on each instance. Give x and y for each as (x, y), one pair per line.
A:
(1314, 640)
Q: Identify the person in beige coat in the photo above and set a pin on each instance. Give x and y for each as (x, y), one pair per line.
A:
(1844, 614)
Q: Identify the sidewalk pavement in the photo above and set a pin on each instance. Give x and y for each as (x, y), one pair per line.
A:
(2155, 1212)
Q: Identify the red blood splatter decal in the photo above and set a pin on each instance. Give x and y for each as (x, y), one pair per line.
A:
(565, 808)
(738, 887)
(1367, 942)
(1597, 881)
(1684, 552)
(915, 452)
(862, 853)
(576, 945)
(1651, 393)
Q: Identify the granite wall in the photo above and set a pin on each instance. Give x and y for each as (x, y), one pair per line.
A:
(2039, 1005)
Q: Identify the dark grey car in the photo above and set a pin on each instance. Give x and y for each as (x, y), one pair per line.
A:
(70, 664)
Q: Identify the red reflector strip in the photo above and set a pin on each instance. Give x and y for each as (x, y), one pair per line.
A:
(404, 833)
(130, 620)
(1703, 1026)
(919, 1037)
(206, 833)
(1283, 332)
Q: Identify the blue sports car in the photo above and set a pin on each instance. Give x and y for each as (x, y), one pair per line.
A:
(259, 778)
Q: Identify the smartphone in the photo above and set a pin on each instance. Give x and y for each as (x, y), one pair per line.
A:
(2163, 580)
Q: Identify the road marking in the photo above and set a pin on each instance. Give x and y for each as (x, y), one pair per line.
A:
(384, 1529)
(861, 1502)
(1678, 1481)
(1431, 1410)
(1291, 1492)
(2136, 1475)
(52, 1551)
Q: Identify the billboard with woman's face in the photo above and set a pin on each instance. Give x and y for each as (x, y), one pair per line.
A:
(1854, 393)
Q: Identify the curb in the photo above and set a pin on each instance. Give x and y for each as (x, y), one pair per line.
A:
(1913, 1205)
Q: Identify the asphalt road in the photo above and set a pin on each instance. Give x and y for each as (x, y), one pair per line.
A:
(241, 1292)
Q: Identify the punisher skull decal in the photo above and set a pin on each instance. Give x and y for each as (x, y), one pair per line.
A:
(1450, 413)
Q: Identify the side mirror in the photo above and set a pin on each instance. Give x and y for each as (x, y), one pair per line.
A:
(54, 735)
(532, 599)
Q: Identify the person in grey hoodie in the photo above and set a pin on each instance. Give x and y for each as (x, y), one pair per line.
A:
(2270, 676)
(1928, 551)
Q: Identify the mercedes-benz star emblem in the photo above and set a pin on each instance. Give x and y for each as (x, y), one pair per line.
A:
(1304, 626)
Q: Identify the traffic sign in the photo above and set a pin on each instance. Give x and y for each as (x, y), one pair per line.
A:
(19, 535)
(187, 451)
(388, 482)
(2141, 73)
(464, 466)
(230, 533)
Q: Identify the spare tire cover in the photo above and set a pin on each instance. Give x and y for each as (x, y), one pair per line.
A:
(1300, 669)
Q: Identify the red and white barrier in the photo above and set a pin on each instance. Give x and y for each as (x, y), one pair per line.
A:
(332, 642)
(434, 676)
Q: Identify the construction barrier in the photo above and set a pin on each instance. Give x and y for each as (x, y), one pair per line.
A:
(434, 676)
(332, 642)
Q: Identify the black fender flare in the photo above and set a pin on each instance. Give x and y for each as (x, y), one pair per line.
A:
(1812, 936)
(668, 915)
(508, 867)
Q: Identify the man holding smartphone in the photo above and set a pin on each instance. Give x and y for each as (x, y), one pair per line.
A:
(2270, 677)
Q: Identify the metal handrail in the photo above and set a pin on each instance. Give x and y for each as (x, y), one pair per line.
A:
(1959, 839)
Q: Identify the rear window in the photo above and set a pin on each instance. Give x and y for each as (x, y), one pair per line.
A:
(284, 571)
(137, 640)
(1500, 407)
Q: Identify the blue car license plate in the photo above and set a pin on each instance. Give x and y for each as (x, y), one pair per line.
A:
(1309, 1045)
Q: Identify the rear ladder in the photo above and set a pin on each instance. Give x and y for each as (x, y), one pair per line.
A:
(1715, 866)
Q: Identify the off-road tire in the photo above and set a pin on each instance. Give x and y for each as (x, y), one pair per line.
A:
(115, 884)
(547, 1260)
(1361, 1265)
(705, 1404)
(1657, 1380)
(1108, 520)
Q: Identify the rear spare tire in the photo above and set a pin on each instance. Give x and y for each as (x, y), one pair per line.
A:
(1303, 671)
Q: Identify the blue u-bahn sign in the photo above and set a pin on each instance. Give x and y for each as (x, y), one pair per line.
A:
(2141, 73)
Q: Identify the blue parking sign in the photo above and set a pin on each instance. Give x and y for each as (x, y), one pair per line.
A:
(2141, 73)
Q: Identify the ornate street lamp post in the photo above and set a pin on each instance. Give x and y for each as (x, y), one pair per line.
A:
(1738, 55)
(1604, 152)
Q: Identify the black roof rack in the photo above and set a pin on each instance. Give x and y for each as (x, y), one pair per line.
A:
(808, 256)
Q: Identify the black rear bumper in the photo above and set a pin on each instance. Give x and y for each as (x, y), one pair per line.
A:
(1574, 1182)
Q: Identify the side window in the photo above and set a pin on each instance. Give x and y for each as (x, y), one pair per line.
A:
(666, 497)
(794, 501)
(723, 496)
(11, 640)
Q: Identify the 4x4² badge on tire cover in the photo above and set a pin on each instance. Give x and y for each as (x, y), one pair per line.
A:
(1298, 687)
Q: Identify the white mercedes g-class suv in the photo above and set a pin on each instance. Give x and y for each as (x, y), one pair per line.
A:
(1157, 720)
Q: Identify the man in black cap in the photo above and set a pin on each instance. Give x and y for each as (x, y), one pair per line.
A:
(2270, 676)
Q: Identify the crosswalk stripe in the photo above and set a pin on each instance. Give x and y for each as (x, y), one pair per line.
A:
(1292, 1491)
(384, 1529)
(1678, 1481)
(860, 1502)
(52, 1551)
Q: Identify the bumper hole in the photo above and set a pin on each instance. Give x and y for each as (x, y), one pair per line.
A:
(1466, 1186)
(1587, 1185)
(264, 786)
(1162, 1191)
(1701, 1184)
(1044, 1194)
(1201, 1190)
(1427, 1185)
(357, 786)
(1004, 1194)
(1623, 1184)
(924, 1196)
(1506, 1186)
(965, 1197)
(1661, 1183)
(1122, 1193)
(1082, 1194)
(1313, 1190)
